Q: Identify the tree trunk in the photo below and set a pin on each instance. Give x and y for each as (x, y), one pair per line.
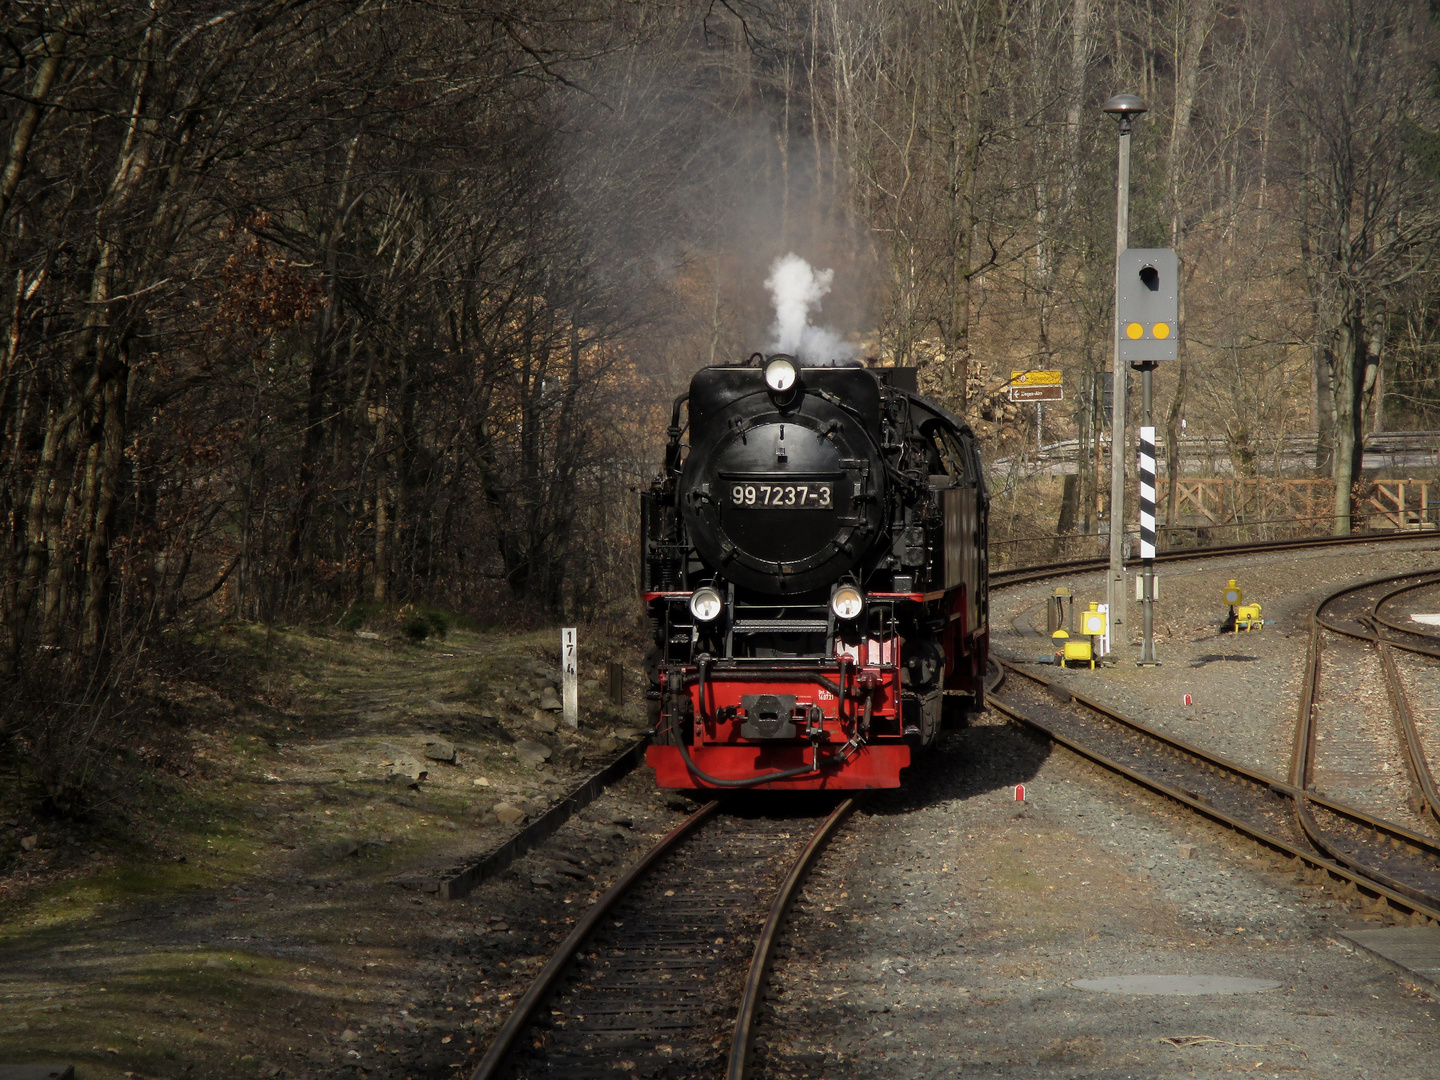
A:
(30, 116)
(110, 464)
(1174, 467)
(381, 589)
(1350, 356)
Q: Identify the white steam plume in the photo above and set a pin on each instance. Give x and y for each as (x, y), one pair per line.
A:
(797, 288)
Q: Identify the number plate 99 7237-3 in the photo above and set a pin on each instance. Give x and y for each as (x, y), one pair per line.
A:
(816, 496)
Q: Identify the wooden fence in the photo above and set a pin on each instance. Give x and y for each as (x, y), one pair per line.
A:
(1388, 504)
(1225, 510)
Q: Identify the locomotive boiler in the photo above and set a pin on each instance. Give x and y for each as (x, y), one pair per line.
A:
(814, 576)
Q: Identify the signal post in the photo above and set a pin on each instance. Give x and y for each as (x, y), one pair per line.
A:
(1146, 315)
(1147, 308)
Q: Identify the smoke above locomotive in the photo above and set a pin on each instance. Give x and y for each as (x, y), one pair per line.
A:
(797, 289)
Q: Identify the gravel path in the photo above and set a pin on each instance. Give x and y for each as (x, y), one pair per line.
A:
(945, 929)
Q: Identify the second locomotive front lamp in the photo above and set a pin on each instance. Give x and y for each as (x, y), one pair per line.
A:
(847, 602)
(706, 603)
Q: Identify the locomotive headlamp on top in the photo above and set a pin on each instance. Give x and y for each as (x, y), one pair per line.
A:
(847, 602)
(705, 604)
(780, 375)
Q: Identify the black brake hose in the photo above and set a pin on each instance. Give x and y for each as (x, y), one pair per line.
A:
(749, 781)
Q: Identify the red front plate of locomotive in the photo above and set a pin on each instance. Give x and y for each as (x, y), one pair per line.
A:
(722, 751)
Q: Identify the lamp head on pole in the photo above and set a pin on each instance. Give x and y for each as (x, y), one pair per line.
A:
(1126, 107)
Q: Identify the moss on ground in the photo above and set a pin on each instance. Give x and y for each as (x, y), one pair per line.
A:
(248, 911)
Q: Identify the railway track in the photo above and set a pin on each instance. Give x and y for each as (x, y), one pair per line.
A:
(1356, 622)
(664, 974)
(1385, 858)
(1381, 857)
(1025, 575)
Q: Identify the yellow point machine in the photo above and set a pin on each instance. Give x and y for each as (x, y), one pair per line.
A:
(1242, 616)
(1092, 625)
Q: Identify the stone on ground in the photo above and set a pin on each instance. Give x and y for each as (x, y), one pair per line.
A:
(508, 815)
(532, 753)
(440, 750)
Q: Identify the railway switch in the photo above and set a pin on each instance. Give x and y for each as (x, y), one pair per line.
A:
(1080, 651)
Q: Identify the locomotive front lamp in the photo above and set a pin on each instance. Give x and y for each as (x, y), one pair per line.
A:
(705, 604)
(847, 602)
(780, 374)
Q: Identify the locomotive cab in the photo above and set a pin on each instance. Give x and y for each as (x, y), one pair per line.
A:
(814, 574)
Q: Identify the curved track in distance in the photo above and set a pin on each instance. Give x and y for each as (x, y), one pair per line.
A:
(1381, 857)
(1354, 615)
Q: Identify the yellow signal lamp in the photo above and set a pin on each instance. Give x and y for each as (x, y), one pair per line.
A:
(1159, 331)
(1233, 593)
(1092, 622)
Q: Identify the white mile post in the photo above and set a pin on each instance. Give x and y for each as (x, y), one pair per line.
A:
(569, 678)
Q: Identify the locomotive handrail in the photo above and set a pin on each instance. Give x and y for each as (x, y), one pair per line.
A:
(768, 675)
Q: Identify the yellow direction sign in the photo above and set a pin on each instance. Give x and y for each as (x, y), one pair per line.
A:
(1035, 386)
(1034, 378)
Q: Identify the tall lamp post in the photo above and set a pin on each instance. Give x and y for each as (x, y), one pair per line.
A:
(1125, 107)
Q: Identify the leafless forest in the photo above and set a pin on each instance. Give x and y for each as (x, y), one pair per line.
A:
(308, 303)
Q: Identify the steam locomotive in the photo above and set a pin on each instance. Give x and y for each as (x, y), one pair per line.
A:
(815, 576)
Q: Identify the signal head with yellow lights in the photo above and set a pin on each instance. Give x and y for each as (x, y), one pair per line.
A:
(1147, 305)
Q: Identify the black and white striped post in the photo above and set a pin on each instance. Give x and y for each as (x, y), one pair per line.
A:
(1147, 532)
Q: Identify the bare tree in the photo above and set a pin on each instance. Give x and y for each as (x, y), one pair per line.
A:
(1368, 219)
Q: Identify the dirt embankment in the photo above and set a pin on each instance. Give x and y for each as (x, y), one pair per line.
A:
(250, 915)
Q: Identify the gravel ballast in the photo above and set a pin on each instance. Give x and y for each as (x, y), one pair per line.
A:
(947, 926)
(943, 934)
